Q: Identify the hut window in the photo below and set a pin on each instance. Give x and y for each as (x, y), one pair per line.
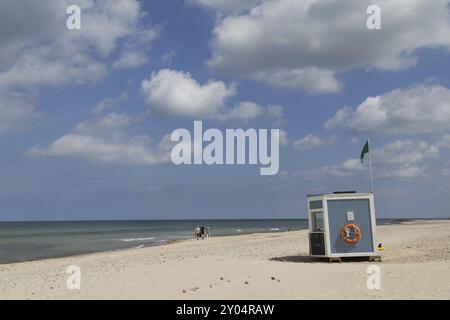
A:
(317, 221)
(316, 204)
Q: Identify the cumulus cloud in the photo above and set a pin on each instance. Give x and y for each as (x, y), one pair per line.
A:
(131, 59)
(311, 79)
(304, 52)
(37, 48)
(418, 109)
(244, 111)
(173, 92)
(106, 139)
(404, 159)
(312, 141)
(307, 143)
(346, 169)
(404, 152)
(275, 112)
(176, 93)
(109, 103)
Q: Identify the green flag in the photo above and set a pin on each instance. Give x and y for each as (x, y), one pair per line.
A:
(365, 150)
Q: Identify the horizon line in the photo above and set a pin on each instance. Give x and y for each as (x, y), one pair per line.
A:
(209, 219)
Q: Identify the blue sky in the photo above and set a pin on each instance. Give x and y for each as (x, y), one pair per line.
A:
(85, 114)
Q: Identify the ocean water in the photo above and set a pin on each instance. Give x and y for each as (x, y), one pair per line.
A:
(25, 241)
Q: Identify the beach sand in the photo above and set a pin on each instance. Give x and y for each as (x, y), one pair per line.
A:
(416, 265)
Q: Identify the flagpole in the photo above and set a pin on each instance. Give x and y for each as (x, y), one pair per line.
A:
(370, 167)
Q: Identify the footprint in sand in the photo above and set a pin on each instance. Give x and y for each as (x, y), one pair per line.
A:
(275, 279)
(211, 285)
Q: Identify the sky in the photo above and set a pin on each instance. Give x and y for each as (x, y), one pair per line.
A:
(86, 115)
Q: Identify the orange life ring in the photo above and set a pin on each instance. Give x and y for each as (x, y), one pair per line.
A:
(351, 233)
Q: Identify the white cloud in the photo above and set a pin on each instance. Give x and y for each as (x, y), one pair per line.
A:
(18, 21)
(36, 69)
(286, 42)
(312, 141)
(244, 111)
(284, 138)
(418, 109)
(402, 152)
(404, 159)
(36, 48)
(176, 93)
(311, 79)
(39, 50)
(307, 143)
(105, 139)
(108, 103)
(247, 110)
(346, 169)
(167, 58)
(276, 113)
(131, 59)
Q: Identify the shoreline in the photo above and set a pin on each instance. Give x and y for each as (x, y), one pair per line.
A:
(91, 253)
(394, 221)
(22, 242)
(254, 266)
(167, 243)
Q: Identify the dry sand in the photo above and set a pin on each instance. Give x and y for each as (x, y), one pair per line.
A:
(416, 265)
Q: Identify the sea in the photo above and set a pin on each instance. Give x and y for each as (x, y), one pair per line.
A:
(26, 241)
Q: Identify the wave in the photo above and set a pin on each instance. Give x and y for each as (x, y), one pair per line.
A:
(137, 239)
(274, 229)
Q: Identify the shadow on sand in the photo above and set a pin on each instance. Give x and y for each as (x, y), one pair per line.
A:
(299, 259)
(308, 259)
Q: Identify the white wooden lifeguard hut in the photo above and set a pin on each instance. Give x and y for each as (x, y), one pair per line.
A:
(342, 224)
